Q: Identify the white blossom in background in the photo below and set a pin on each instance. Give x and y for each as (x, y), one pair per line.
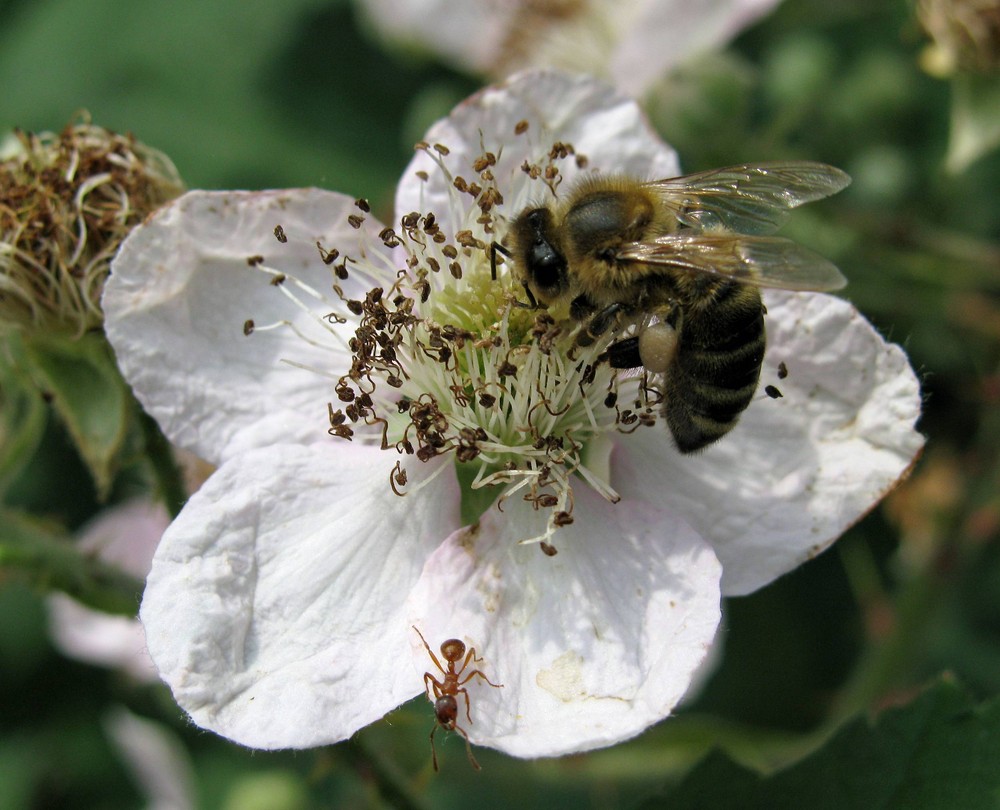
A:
(360, 385)
(631, 42)
(156, 759)
(124, 536)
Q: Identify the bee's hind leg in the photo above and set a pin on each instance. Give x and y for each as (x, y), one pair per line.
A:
(624, 353)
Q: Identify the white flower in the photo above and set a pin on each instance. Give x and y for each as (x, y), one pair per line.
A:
(281, 602)
(124, 536)
(155, 757)
(631, 42)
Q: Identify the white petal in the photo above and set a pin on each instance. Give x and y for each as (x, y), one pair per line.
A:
(795, 472)
(592, 645)
(116, 642)
(601, 124)
(157, 759)
(634, 42)
(468, 33)
(180, 292)
(125, 536)
(666, 32)
(274, 608)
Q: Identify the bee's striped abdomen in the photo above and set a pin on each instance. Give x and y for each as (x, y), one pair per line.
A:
(714, 375)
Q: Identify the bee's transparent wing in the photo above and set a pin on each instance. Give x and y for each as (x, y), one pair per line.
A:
(763, 261)
(752, 198)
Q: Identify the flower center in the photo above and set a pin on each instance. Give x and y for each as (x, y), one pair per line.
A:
(447, 359)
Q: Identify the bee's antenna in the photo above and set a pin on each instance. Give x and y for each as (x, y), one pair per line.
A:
(495, 248)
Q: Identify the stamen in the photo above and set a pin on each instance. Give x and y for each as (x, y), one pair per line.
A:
(443, 361)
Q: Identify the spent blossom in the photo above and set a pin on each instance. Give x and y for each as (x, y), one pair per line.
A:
(69, 199)
(966, 35)
(398, 435)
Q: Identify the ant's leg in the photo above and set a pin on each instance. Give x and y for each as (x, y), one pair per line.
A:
(482, 675)
(468, 748)
(429, 651)
(434, 756)
(467, 707)
(432, 686)
(470, 656)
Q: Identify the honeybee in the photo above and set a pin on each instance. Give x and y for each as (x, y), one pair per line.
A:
(681, 260)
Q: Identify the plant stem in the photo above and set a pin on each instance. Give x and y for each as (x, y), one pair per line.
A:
(49, 561)
(169, 480)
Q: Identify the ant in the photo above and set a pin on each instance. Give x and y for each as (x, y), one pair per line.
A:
(444, 695)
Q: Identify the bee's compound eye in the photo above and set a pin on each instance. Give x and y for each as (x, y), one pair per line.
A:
(545, 264)
(538, 219)
(657, 347)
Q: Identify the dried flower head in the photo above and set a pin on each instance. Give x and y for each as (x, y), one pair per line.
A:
(966, 36)
(68, 200)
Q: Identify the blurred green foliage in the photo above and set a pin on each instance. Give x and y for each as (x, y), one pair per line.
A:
(941, 736)
(256, 94)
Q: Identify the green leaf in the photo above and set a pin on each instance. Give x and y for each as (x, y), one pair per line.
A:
(49, 560)
(22, 415)
(940, 751)
(90, 396)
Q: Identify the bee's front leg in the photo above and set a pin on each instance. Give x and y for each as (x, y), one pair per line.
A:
(601, 322)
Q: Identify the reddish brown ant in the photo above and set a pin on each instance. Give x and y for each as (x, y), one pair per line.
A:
(444, 695)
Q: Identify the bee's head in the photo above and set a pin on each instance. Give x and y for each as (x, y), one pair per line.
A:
(535, 246)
